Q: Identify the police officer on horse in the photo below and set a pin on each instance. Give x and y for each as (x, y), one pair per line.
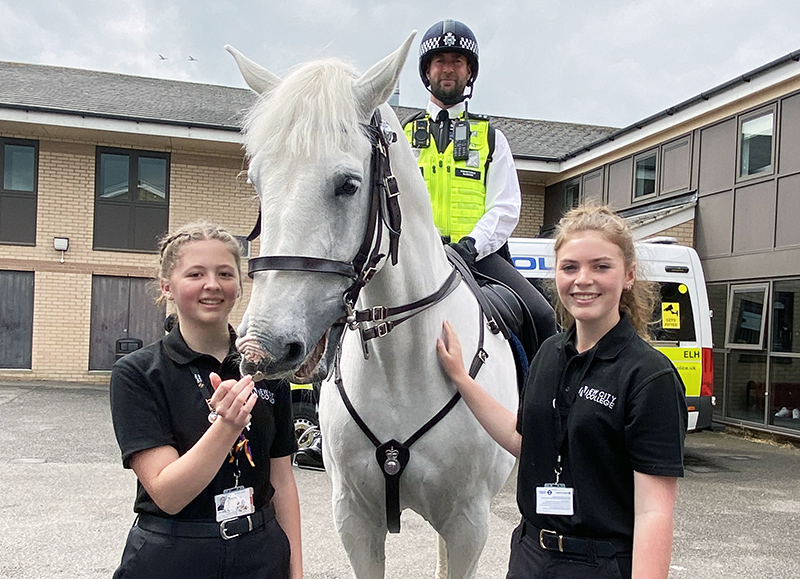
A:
(468, 166)
(471, 177)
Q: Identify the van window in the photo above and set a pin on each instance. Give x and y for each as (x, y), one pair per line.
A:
(673, 317)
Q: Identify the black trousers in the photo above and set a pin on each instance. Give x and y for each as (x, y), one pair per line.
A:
(529, 561)
(495, 266)
(259, 554)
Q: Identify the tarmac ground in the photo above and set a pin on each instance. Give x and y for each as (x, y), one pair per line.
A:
(65, 502)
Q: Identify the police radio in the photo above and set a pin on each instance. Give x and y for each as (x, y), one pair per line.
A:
(421, 134)
(461, 140)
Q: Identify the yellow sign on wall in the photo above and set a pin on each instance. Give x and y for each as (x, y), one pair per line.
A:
(670, 315)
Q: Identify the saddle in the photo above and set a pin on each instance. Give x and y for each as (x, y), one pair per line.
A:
(515, 321)
(505, 313)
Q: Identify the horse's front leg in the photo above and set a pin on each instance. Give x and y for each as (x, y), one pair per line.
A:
(362, 530)
(465, 535)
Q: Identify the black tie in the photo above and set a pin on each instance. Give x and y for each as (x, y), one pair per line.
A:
(443, 138)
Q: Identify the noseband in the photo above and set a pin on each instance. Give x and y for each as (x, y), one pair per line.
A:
(384, 212)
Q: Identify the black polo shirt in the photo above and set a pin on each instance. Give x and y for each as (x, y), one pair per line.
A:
(155, 401)
(622, 404)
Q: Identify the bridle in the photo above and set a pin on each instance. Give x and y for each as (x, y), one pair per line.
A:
(384, 213)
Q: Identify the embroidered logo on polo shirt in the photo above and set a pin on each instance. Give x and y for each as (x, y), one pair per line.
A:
(265, 394)
(595, 395)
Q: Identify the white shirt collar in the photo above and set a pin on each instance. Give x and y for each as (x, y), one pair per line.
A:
(454, 111)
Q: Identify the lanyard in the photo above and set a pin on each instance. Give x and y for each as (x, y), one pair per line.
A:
(242, 445)
(562, 406)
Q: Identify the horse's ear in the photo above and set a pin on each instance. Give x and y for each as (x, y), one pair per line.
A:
(376, 85)
(256, 76)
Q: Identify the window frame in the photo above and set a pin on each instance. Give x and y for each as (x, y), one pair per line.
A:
(132, 202)
(751, 116)
(775, 291)
(19, 194)
(744, 288)
(656, 185)
(569, 186)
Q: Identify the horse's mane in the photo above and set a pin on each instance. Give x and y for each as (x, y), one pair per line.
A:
(312, 110)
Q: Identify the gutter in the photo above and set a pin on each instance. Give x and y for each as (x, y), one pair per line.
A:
(118, 117)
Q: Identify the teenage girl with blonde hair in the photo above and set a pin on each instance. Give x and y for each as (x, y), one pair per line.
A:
(602, 418)
(211, 450)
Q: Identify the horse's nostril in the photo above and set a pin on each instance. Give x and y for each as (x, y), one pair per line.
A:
(294, 352)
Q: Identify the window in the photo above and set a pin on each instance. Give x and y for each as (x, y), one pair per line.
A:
(18, 186)
(672, 298)
(131, 199)
(746, 317)
(718, 300)
(572, 195)
(785, 316)
(755, 153)
(645, 175)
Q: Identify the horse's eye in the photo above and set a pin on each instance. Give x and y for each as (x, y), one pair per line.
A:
(348, 186)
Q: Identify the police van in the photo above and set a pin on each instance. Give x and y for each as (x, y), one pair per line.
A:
(682, 320)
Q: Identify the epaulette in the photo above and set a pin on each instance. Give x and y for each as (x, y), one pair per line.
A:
(478, 117)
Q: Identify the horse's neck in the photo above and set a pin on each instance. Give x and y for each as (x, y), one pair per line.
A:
(422, 265)
(421, 269)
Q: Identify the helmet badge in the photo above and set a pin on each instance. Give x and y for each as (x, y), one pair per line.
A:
(449, 39)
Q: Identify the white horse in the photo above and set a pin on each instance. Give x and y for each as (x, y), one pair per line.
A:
(310, 161)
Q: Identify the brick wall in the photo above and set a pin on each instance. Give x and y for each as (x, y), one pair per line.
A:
(684, 233)
(532, 212)
(201, 187)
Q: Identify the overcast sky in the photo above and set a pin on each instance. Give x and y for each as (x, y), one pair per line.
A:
(602, 62)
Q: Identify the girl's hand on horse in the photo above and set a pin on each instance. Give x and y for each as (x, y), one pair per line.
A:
(233, 400)
(449, 350)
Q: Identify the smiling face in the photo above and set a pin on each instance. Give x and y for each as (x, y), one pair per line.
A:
(204, 284)
(448, 73)
(591, 275)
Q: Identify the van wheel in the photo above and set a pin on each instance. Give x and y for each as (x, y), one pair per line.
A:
(305, 416)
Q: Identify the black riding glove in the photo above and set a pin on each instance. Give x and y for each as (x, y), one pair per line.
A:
(466, 249)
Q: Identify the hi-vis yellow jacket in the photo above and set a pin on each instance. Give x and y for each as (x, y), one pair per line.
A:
(457, 188)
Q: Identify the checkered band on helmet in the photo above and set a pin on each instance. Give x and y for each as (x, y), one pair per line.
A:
(448, 36)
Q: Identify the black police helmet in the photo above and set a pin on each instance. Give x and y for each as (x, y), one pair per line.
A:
(448, 36)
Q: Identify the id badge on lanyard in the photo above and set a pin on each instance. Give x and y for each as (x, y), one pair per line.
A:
(234, 502)
(555, 498)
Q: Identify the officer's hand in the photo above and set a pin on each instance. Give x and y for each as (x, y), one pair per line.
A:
(466, 249)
